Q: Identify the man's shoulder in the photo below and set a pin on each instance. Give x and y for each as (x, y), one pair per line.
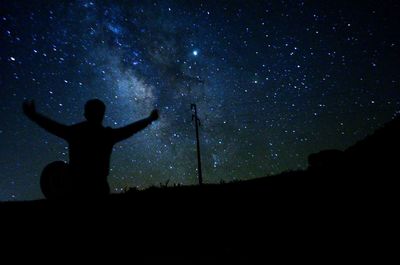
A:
(87, 126)
(78, 125)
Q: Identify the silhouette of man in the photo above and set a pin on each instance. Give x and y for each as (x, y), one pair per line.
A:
(90, 145)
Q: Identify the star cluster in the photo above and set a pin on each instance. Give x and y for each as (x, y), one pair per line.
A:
(273, 82)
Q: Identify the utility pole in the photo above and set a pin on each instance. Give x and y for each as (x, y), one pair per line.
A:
(197, 124)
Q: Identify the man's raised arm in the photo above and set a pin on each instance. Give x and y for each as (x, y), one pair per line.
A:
(125, 132)
(49, 125)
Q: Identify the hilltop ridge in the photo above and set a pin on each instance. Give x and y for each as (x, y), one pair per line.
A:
(339, 209)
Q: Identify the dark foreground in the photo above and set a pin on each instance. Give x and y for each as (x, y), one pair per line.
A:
(263, 222)
(342, 209)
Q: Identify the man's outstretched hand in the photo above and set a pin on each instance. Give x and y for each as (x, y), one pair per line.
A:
(154, 115)
(29, 108)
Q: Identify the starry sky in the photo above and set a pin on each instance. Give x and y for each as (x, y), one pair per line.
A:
(273, 82)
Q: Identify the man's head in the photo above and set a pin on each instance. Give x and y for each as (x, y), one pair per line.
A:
(94, 111)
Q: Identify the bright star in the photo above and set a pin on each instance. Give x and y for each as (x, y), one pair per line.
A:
(195, 52)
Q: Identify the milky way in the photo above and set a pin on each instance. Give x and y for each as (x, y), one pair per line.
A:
(273, 82)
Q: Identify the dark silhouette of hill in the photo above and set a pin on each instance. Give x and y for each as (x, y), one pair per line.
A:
(374, 154)
(340, 209)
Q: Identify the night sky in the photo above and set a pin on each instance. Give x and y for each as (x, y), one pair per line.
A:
(273, 82)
